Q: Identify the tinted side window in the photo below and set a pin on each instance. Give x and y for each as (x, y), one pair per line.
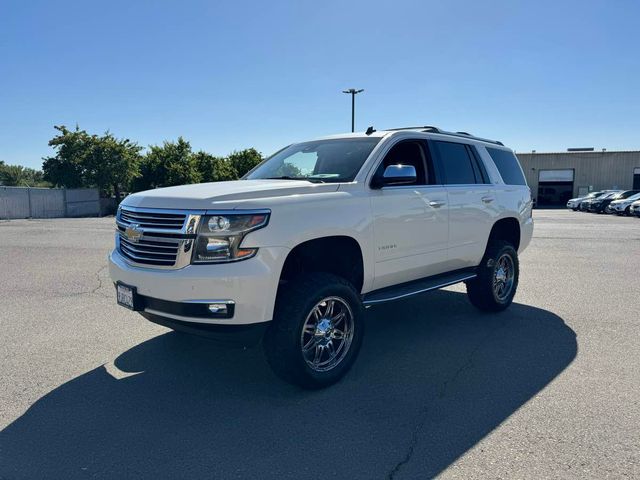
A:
(455, 163)
(508, 166)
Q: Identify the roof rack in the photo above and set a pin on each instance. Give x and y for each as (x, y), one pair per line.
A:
(425, 128)
(432, 129)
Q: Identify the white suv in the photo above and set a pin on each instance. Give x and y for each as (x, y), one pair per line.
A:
(623, 206)
(295, 251)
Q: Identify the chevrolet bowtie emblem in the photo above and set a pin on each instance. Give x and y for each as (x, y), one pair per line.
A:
(133, 233)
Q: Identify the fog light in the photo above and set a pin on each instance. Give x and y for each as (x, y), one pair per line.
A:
(218, 308)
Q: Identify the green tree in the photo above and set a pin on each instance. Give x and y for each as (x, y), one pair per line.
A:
(65, 168)
(19, 176)
(214, 169)
(83, 160)
(173, 163)
(245, 160)
(13, 176)
(111, 164)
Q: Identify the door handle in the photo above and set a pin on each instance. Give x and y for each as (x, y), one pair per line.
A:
(436, 204)
(488, 199)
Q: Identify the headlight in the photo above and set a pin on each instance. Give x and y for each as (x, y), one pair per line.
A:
(220, 236)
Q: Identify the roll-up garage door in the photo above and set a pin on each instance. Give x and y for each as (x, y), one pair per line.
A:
(555, 187)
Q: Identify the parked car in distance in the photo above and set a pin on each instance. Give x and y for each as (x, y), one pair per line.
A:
(599, 205)
(622, 206)
(574, 203)
(586, 204)
(634, 209)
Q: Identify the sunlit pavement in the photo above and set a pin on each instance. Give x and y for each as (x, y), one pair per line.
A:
(548, 389)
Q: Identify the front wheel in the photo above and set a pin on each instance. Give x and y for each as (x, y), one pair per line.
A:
(316, 332)
(497, 281)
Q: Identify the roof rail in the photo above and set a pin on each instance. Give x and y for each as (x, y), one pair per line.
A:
(432, 129)
(426, 128)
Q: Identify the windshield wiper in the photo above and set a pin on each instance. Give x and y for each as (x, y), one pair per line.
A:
(286, 177)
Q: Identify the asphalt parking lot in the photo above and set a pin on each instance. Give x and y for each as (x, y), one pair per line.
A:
(548, 389)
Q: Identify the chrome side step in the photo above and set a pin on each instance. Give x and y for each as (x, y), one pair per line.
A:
(397, 292)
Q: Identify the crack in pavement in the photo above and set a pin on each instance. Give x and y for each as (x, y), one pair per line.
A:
(95, 290)
(442, 392)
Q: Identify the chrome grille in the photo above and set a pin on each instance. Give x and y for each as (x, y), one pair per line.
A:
(150, 252)
(150, 219)
(156, 238)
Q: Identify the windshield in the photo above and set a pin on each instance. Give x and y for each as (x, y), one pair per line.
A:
(625, 195)
(607, 195)
(334, 160)
(634, 197)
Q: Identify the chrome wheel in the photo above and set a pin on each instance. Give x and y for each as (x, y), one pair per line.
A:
(327, 334)
(503, 276)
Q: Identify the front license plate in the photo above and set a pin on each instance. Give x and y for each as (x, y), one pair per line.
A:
(126, 295)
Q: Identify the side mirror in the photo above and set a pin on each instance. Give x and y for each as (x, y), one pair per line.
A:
(398, 175)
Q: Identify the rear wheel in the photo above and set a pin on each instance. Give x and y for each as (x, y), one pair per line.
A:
(497, 281)
(316, 332)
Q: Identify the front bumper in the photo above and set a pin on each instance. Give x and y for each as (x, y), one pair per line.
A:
(618, 208)
(240, 335)
(251, 284)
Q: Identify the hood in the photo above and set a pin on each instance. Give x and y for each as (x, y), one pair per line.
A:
(226, 195)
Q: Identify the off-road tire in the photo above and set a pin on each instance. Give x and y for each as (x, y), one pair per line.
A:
(295, 302)
(480, 290)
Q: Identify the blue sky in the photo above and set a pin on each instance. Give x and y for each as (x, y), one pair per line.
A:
(228, 75)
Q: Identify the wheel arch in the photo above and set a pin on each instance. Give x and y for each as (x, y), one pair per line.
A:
(340, 255)
(507, 229)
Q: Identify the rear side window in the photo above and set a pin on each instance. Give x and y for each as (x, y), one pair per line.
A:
(456, 164)
(508, 166)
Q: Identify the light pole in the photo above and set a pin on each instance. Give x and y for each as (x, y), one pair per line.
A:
(353, 93)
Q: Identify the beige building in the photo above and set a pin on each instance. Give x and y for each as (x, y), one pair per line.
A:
(556, 177)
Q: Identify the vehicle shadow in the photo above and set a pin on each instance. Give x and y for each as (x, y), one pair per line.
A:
(433, 378)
